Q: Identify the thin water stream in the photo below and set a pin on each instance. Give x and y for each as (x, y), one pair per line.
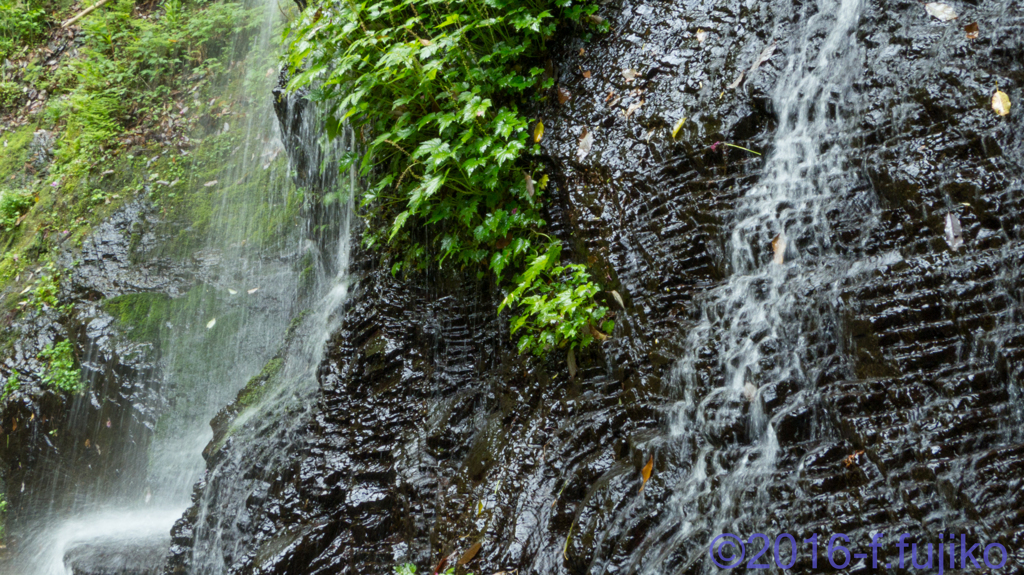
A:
(767, 321)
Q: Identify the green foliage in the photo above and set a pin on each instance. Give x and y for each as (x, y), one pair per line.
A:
(20, 24)
(141, 315)
(410, 569)
(12, 385)
(61, 373)
(434, 88)
(13, 205)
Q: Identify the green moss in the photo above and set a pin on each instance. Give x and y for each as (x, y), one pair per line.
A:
(256, 388)
(14, 156)
(141, 315)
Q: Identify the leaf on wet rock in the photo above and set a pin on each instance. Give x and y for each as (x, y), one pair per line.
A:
(586, 73)
(632, 108)
(470, 553)
(1001, 103)
(677, 127)
(563, 95)
(972, 31)
(701, 36)
(538, 132)
(586, 142)
(571, 360)
(529, 185)
(253, 290)
(618, 299)
(736, 83)
(630, 74)
(941, 11)
(211, 323)
(595, 19)
(766, 55)
(779, 248)
(231, 291)
(646, 473)
(954, 236)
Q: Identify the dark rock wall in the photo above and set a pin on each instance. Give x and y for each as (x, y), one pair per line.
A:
(432, 434)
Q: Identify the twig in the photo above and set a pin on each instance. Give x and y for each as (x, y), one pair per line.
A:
(83, 13)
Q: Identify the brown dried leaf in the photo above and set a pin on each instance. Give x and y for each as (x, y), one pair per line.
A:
(646, 473)
(529, 185)
(586, 73)
(779, 247)
(618, 299)
(586, 142)
(563, 95)
(470, 553)
(972, 31)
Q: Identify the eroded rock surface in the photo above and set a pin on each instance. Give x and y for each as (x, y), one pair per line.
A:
(900, 410)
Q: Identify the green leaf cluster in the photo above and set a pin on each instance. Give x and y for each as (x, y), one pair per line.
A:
(433, 89)
(20, 23)
(60, 372)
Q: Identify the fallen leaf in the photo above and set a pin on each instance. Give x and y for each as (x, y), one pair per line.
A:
(538, 132)
(678, 126)
(736, 83)
(779, 247)
(972, 31)
(563, 95)
(586, 141)
(646, 473)
(595, 19)
(231, 291)
(529, 185)
(470, 553)
(766, 54)
(211, 323)
(618, 299)
(941, 11)
(253, 290)
(701, 36)
(632, 108)
(571, 360)
(209, 184)
(1001, 103)
(598, 334)
(630, 74)
(586, 73)
(852, 458)
(953, 233)
(441, 565)
(582, 51)
(749, 391)
(87, 444)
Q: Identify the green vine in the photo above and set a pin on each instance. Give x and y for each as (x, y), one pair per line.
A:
(433, 89)
(61, 373)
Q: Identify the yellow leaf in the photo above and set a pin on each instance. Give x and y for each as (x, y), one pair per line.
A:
(1001, 103)
(538, 132)
(646, 473)
(678, 126)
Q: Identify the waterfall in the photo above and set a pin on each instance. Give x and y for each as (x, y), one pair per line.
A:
(753, 335)
(224, 333)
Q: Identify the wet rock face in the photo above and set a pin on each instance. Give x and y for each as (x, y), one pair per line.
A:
(901, 412)
(59, 447)
(132, 557)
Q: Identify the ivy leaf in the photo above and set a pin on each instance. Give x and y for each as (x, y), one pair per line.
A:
(399, 222)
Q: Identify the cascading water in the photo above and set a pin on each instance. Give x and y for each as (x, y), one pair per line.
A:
(761, 319)
(221, 334)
